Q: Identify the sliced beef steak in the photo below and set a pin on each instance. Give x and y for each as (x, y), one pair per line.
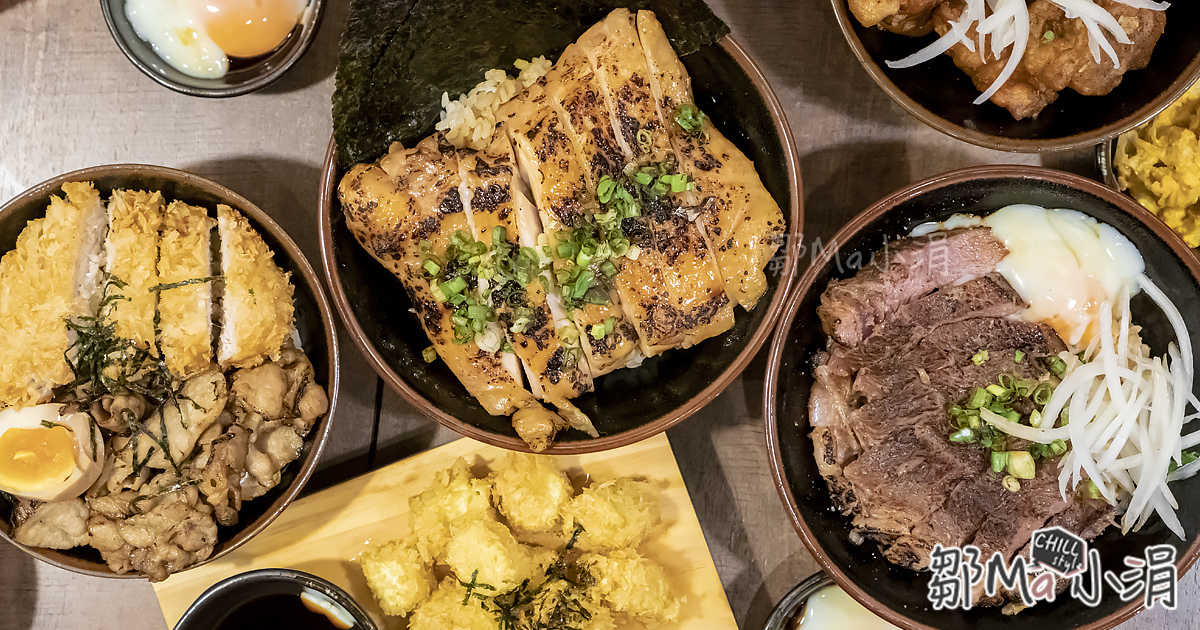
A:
(988, 296)
(904, 271)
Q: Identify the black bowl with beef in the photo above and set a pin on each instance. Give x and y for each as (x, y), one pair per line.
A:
(920, 467)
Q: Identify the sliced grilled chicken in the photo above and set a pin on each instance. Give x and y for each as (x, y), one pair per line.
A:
(741, 220)
(410, 196)
(493, 199)
(132, 248)
(559, 187)
(185, 301)
(673, 290)
(53, 271)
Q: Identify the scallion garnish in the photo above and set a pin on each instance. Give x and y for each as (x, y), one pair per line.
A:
(429, 354)
(690, 119)
(980, 357)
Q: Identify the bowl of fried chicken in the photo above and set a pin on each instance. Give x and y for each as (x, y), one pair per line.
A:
(1024, 76)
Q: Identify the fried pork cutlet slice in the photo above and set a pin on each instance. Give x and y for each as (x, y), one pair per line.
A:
(256, 307)
(185, 299)
(1057, 56)
(53, 273)
(532, 315)
(673, 291)
(134, 217)
(741, 220)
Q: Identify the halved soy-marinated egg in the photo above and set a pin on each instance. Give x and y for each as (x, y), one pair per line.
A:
(197, 37)
(46, 455)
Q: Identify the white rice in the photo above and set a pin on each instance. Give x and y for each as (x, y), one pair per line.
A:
(470, 120)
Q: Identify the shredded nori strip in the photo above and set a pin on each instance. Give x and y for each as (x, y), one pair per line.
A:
(176, 285)
(397, 57)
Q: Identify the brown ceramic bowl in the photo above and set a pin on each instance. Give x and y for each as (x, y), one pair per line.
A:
(941, 95)
(628, 405)
(900, 595)
(314, 324)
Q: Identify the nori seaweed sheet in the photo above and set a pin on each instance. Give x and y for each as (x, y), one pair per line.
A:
(397, 57)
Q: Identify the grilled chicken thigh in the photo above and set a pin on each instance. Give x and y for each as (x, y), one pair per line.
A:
(559, 186)
(492, 199)
(412, 196)
(743, 223)
(673, 291)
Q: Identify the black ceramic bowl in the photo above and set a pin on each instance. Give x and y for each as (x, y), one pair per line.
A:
(314, 324)
(900, 595)
(213, 606)
(941, 95)
(628, 405)
(244, 76)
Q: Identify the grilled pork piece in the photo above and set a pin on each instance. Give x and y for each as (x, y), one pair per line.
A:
(185, 302)
(673, 291)
(53, 272)
(410, 196)
(742, 223)
(492, 199)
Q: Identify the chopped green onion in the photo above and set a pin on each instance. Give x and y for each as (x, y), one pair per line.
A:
(644, 178)
(598, 331)
(1187, 457)
(1092, 490)
(429, 354)
(997, 390)
(999, 461)
(1042, 394)
(569, 334)
(1035, 419)
(980, 357)
(1058, 447)
(1056, 365)
(1018, 356)
(432, 268)
(644, 140)
(1049, 36)
(689, 118)
(1011, 484)
(1021, 465)
(979, 398)
(605, 188)
(478, 312)
(455, 286)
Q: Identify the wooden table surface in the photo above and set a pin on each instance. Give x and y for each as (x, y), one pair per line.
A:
(69, 99)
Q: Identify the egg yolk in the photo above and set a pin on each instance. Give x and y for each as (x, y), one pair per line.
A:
(36, 457)
(249, 28)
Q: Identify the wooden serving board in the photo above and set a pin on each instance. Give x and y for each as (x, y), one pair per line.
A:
(324, 533)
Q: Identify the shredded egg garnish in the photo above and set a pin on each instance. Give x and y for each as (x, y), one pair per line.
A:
(197, 37)
(46, 455)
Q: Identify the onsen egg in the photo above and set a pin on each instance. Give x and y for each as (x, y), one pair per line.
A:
(47, 455)
(248, 28)
(172, 30)
(197, 37)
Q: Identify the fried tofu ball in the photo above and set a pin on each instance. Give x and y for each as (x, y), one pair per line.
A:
(446, 610)
(454, 499)
(489, 547)
(530, 491)
(398, 576)
(615, 514)
(631, 584)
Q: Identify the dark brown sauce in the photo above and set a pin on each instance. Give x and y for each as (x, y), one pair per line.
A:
(278, 611)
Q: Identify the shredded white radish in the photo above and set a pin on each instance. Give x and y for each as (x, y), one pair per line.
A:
(1125, 415)
(1004, 24)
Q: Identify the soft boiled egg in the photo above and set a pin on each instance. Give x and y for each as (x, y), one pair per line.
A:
(1063, 263)
(47, 455)
(197, 37)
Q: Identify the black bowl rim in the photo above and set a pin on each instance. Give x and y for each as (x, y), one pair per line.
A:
(308, 33)
(1015, 145)
(249, 579)
(791, 604)
(805, 284)
(795, 217)
(262, 221)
